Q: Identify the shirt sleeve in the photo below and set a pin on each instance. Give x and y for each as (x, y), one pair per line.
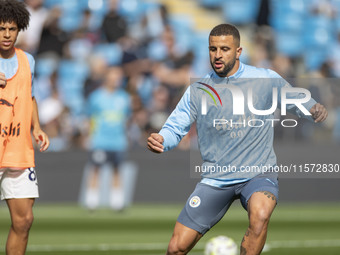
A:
(179, 122)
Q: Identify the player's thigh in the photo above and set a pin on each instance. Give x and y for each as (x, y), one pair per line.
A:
(262, 186)
(205, 207)
(21, 209)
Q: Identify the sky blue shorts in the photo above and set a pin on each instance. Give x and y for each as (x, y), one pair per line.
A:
(207, 204)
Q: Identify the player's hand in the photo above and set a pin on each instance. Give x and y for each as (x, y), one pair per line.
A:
(41, 138)
(155, 143)
(3, 80)
(319, 112)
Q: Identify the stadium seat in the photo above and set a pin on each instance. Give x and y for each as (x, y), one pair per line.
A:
(70, 69)
(201, 65)
(289, 6)
(70, 20)
(211, 3)
(182, 26)
(288, 21)
(240, 12)
(315, 57)
(154, 19)
(80, 49)
(111, 52)
(51, 3)
(44, 67)
(319, 31)
(289, 43)
(132, 10)
(157, 50)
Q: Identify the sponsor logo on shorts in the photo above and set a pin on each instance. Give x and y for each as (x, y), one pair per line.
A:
(195, 201)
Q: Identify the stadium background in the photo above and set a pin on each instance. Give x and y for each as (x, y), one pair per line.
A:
(160, 45)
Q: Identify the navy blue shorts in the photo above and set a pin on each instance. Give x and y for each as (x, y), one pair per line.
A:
(207, 204)
(114, 158)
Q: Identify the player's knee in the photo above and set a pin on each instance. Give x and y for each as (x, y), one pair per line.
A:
(177, 247)
(259, 220)
(23, 224)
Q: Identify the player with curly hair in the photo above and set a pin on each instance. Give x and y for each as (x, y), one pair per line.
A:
(18, 118)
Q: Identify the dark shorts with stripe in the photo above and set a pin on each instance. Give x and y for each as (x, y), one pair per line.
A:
(207, 204)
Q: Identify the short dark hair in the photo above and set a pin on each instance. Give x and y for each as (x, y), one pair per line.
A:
(226, 29)
(14, 11)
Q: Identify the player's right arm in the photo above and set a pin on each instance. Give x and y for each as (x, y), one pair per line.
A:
(175, 128)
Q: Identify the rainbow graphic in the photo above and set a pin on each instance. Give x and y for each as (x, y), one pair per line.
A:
(209, 93)
(204, 99)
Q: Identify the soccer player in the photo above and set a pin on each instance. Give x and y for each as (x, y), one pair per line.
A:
(108, 109)
(229, 145)
(18, 117)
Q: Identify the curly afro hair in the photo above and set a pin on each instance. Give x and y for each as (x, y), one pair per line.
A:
(14, 11)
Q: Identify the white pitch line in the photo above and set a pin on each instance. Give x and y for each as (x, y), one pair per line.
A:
(162, 246)
(304, 243)
(98, 247)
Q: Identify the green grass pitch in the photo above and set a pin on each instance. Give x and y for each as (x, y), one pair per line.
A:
(300, 229)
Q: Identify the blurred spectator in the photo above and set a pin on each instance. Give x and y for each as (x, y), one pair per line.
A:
(114, 26)
(109, 110)
(174, 71)
(98, 69)
(29, 39)
(264, 13)
(323, 7)
(54, 118)
(52, 37)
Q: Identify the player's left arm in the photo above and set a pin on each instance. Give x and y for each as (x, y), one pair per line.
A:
(40, 136)
(319, 112)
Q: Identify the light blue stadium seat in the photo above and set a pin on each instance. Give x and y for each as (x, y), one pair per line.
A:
(182, 26)
(51, 3)
(288, 21)
(132, 10)
(111, 52)
(70, 69)
(211, 3)
(44, 67)
(80, 49)
(319, 31)
(157, 50)
(289, 43)
(314, 57)
(240, 12)
(72, 75)
(201, 65)
(71, 93)
(289, 6)
(99, 7)
(181, 23)
(70, 20)
(71, 6)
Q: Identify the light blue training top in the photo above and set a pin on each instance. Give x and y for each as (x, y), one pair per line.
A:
(10, 66)
(237, 141)
(109, 114)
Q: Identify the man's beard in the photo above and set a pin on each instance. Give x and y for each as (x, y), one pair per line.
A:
(227, 68)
